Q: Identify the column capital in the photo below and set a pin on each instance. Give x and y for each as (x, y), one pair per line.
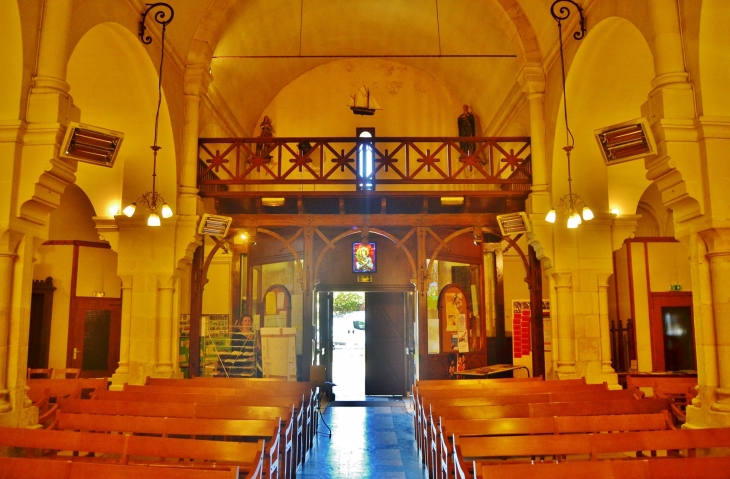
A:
(197, 79)
(603, 279)
(717, 240)
(531, 78)
(563, 280)
(623, 227)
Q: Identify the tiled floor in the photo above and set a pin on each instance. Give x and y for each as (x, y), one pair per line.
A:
(366, 442)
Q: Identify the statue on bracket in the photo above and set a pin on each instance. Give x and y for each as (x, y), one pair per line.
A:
(267, 131)
(467, 128)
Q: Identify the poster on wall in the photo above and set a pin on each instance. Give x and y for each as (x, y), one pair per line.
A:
(463, 338)
(521, 327)
(364, 259)
(454, 305)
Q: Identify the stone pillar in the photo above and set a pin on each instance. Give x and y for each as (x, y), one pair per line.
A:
(532, 81)
(6, 288)
(603, 323)
(197, 79)
(122, 372)
(667, 37)
(566, 331)
(165, 294)
(718, 254)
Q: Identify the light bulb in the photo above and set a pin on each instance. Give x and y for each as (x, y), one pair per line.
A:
(550, 217)
(577, 219)
(244, 236)
(129, 210)
(616, 211)
(572, 223)
(587, 213)
(166, 211)
(113, 210)
(153, 220)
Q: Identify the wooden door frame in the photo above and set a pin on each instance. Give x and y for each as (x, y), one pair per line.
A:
(656, 326)
(115, 330)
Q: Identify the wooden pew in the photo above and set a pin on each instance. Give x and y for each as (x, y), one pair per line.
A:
(578, 408)
(138, 449)
(27, 468)
(680, 389)
(212, 397)
(288, 443)
(492, 383)
(665, 468)
(68, 387)
(592, 446)
(421, 416)
(446, 382)
(194, 428)
(271, 391)
(447, 428)
(503, 400)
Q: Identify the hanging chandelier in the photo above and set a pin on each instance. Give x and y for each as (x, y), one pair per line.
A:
(152, 200)
(571, 204)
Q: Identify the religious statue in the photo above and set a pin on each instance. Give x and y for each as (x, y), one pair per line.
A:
(267, 131)
(467, 128)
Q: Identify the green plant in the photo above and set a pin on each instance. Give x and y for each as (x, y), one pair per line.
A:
(348, 302)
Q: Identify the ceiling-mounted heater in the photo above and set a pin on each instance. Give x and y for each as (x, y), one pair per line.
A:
(626, 141)
(91, 144)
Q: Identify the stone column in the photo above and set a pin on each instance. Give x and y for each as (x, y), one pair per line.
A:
(566, 330)
(718, 254)
(532, 81)
(165, 293)
(6, 288)
(126, 325)
(603, 323)
(197, 79)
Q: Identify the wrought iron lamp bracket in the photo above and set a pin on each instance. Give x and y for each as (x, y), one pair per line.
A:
(561, 13)
(160, 17)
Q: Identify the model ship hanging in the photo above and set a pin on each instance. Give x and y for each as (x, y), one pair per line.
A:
(363, 103)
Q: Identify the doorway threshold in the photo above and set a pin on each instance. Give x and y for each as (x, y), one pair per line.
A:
(390, 401)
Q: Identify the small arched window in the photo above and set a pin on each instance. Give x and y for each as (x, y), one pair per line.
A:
(365, 161)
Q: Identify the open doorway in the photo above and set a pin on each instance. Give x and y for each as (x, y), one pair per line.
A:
(363, 339)
(348, 345)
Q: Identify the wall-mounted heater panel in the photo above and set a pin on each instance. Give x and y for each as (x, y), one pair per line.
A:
(91, 144)
(214, 225)
(626, 141)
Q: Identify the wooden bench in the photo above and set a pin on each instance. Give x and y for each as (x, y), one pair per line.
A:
(303, 416)
(506, 395)
(68, 387)
(447, 428)
(494, 383)
(28, 468)
(436, 382)
(591, 446)
(288, 443)
(192, 428)
(666, 468)
(137, 449)
(503, 400)
(680, 389)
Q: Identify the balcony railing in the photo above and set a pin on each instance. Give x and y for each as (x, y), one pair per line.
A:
(282, 163)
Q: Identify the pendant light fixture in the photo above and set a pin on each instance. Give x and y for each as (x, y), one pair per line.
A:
(571, 204)
(154, 202)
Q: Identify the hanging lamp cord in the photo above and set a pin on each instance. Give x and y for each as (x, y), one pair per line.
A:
(155, 148)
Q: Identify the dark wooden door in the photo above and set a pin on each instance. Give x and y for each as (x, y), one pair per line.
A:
(385, 344)
(94, 336)
(672, 332)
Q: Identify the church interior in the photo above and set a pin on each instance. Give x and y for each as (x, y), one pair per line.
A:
(209, 188)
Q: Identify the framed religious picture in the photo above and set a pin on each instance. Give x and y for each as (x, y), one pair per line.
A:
(453, 314)
(364, 257)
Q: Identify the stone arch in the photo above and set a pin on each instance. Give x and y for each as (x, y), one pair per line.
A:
(609, 79)
(12, 60)
(120, 93)
(714, 64)
(509, 13)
